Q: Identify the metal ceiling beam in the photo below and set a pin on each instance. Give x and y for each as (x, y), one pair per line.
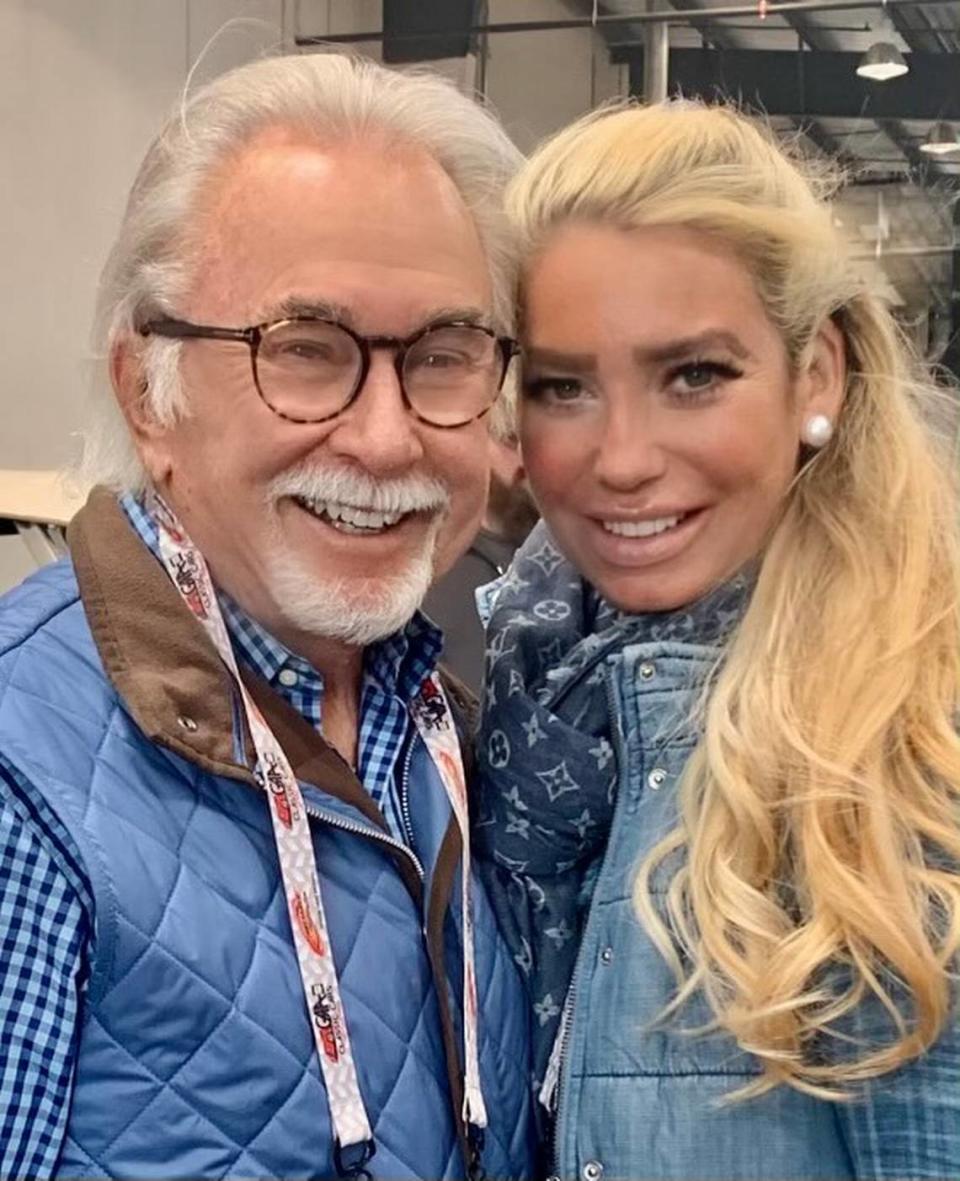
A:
(818, 85)
(829, 144)
(923, 168)
(917, 31)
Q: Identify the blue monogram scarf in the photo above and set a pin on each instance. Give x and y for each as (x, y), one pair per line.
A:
(548, 774)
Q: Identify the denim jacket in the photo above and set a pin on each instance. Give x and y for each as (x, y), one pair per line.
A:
(638, 1099)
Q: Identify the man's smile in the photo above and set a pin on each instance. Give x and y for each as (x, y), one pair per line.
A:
(349, 518)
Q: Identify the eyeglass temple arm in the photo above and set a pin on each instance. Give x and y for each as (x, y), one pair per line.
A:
(182, 329)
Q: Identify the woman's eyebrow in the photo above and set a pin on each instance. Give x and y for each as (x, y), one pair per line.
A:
(691, 345)
(645, 354)
(557, 359)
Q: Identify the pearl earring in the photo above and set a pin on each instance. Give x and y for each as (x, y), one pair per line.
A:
(817, 431)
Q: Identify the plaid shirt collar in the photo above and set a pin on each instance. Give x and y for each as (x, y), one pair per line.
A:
(398, 665)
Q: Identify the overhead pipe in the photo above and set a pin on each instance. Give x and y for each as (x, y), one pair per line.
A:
(671, 17)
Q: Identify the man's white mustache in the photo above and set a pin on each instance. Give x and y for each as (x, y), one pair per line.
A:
(358, 489)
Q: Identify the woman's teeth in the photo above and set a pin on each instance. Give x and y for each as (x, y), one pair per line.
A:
(642, 528)
(348, 518)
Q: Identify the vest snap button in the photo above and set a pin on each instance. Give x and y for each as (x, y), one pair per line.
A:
(187, 723)
(592, 1171)
(656, 779)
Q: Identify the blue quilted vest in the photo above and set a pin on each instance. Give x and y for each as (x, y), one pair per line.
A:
(195, 1056)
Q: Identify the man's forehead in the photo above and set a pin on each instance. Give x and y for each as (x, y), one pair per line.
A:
(288, 166)
(348, 235)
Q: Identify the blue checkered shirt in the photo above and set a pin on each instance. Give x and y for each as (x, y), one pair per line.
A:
(46, 902)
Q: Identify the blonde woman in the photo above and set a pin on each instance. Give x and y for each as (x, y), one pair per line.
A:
(721, 770)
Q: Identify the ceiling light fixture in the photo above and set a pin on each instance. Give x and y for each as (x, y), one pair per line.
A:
(881, 62)
(942, 138)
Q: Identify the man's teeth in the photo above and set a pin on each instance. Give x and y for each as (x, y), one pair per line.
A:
(642, 528)
(350, 516)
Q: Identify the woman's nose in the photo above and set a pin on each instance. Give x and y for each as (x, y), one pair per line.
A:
(630, 450)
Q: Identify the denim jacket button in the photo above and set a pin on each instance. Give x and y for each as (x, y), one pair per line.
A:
(648, 671)
(606, 956)
(592, 1171)
(656, 779)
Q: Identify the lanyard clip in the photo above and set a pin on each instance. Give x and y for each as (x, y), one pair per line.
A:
(475, 1169)
(356, 1167)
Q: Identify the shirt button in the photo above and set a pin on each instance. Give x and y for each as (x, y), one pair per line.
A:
(592, 1171)
(606, 956)
(656, 779)
(288, 677)
(647, 671)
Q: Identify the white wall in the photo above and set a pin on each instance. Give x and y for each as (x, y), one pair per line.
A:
(84, 84)
(540, 81)
(83, 87)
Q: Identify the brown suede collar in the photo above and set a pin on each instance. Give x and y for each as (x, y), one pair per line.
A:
(155, 653)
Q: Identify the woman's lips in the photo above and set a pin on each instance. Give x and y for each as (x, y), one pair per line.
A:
(645, 542)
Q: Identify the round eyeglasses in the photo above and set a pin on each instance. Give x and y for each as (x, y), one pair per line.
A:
(310, 370)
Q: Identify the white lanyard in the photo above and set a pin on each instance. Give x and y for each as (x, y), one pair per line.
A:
(431, 712)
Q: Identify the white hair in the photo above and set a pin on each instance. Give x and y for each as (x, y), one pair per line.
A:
(324, 94)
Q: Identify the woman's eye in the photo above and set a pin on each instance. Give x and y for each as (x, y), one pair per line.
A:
(698, 377)
(553, 390)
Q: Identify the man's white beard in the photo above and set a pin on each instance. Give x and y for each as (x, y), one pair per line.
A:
(356, 611)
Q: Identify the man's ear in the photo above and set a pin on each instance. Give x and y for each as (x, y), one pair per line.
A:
(824, 378)
(128, 376)
(506, 462)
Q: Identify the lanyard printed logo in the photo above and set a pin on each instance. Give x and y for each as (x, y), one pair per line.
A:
(431, 714)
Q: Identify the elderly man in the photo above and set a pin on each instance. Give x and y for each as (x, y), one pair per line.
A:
(240, 932)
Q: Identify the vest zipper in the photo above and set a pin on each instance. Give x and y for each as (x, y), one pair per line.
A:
(370, 833)
(405, 795)
(362, 831)
(567, 1018)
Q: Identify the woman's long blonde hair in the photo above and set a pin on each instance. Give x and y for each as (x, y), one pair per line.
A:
(819, 813)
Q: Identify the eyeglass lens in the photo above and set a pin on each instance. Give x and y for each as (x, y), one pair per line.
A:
(309, 369)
